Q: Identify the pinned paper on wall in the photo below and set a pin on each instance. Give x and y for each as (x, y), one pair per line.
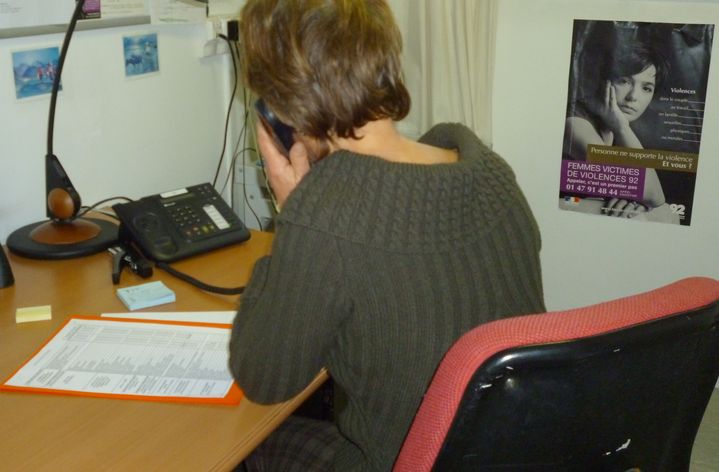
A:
(634, 119)
(117, 8)
(176, 11)
(225, 7)
(34, 71)
(140, 54)
(24, 13)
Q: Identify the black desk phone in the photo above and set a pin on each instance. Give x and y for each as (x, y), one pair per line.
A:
(180, 223)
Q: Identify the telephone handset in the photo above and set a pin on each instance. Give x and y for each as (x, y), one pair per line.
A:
(282, 135)
(181, 223)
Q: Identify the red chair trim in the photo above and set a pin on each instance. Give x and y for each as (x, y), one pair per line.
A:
(444, 394)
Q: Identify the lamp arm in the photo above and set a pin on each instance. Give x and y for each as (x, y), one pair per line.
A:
(61, 61)
(62, 199)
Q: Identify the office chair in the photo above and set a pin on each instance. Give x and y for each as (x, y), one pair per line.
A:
(616, 386)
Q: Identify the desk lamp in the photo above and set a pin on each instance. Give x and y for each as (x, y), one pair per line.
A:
(64, 235)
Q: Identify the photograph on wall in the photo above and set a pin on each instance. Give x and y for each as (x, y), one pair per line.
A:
(140, 54)
(34, 71)
(634, 119)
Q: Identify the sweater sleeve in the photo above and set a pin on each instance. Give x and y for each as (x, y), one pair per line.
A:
(289, 316)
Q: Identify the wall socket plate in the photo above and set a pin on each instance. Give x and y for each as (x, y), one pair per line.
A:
(214, 45)
(252, 200)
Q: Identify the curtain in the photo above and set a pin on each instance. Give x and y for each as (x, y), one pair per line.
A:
(449, 62)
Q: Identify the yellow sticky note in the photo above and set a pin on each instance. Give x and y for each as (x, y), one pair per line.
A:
(33, 313)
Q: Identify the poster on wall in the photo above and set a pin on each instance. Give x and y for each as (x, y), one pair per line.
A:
(634, 119)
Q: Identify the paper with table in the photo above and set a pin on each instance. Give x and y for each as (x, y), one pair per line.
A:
(132, 359)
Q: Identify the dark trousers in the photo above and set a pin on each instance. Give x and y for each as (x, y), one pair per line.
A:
(300, 444)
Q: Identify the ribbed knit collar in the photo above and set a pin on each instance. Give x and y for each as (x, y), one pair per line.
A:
(404, 207)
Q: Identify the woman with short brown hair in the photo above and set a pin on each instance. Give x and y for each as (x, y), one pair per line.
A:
(386, 249)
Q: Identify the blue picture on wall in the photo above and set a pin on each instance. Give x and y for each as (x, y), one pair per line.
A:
(140, 54)
(34, 71)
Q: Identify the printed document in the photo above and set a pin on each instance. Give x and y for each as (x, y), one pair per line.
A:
(134, 358)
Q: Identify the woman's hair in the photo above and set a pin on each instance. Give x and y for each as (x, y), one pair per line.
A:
(629, 58)
(326, 67)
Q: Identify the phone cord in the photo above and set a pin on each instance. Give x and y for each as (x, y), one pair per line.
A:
(199, 284)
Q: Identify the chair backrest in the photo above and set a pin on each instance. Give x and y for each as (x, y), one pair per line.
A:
(619, 385)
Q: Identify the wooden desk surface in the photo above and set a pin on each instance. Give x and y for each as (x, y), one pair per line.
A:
(54, 432)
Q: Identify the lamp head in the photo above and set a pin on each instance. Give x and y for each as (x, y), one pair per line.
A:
(63, 201)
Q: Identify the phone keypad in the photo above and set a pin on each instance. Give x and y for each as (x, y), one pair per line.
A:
(190, 223)
(195, 224)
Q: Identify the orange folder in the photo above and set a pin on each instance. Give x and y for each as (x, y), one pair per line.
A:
(233, 396)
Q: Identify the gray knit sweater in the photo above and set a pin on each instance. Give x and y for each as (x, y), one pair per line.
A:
(376, 268)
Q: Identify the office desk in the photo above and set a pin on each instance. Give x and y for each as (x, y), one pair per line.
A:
(59, 433)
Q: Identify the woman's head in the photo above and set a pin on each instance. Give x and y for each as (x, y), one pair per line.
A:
(326, 67)
(636, 71)
(635, 92)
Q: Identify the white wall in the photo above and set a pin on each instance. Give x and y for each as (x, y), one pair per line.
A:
(114, 136)
(134, 137)
(588, 259)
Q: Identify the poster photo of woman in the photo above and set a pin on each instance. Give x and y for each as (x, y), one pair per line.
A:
(634, 117)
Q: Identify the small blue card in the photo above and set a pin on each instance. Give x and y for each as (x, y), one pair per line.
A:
(145, 295)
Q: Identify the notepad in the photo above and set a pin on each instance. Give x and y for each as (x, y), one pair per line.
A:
(145, 295)
(33, 313)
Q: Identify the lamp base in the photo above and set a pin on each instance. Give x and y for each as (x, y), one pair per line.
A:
(52, 240)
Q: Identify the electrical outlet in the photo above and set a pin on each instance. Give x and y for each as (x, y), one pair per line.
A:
(213, 27)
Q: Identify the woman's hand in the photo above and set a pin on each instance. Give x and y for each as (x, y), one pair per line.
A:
(610, 113)
(622, 208)
(283, 174)
(616, 121)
